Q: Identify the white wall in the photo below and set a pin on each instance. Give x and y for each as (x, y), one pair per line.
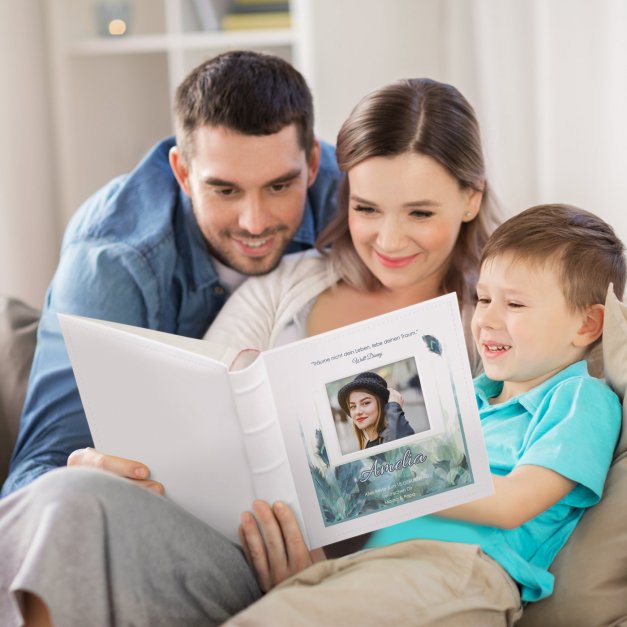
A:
(361, 44)
(29, 231)
(548, 80)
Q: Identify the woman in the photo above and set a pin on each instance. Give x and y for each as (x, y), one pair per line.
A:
(375, 410)
(414, 213)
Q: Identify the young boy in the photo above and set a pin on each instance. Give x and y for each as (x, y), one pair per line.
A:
(550, 430)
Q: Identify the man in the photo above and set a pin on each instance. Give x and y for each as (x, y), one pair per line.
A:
(162, 247)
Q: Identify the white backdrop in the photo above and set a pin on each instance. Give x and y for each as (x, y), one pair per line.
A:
(29, 228)
(548, 79)
(552, 90)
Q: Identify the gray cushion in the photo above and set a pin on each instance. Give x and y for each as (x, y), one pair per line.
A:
(591, 570)
(18, 329)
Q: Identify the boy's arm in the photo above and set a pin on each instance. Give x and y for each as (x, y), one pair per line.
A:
(519, 496)
(275, 548)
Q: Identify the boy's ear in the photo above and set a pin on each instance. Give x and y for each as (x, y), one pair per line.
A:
(592, 326)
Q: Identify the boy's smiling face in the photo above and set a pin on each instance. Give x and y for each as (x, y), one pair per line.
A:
(522, 326)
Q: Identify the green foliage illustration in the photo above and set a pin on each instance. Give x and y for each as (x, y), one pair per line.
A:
(342, 496)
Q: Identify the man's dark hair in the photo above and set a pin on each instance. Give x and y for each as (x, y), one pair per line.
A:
(248, 92)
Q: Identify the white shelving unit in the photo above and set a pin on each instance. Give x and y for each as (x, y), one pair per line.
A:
(112, 96)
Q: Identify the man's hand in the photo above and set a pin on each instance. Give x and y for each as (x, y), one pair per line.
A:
(273, 544)
(136, 471)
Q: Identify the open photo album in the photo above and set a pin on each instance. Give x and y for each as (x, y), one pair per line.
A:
(356, 429)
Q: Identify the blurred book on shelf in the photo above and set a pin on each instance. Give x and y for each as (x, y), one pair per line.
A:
(208, 13)
(257, 14)
(253, 5)
(264, 6)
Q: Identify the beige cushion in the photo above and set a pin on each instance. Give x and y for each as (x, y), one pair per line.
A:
(18, 328)
(615, 355)
(591, 570)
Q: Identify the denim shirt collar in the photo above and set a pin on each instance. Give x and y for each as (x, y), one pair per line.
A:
(306, 233)
(196, 255)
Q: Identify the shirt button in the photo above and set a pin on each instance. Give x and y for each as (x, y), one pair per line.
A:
(218, 289)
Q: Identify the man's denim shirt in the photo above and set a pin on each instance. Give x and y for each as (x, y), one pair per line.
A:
(133, 253)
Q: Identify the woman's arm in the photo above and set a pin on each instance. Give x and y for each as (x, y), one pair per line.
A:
(523, 494)
(257, 312)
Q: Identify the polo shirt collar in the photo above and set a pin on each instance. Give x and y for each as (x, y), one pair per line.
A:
(486, 388)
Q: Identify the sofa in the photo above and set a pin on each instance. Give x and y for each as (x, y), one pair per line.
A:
(590, 571)
(18, 328)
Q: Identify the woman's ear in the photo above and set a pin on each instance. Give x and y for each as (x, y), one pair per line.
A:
(592, 326)
(473, 204)
(179, 168)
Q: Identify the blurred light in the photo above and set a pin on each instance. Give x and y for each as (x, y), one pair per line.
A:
(117, 27)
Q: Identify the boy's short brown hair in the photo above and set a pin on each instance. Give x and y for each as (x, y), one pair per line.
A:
(585, 250)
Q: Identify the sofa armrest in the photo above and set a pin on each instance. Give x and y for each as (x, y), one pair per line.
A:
(18, 331)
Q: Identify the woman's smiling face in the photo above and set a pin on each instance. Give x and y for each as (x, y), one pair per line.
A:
(364, 409)
(405, 213)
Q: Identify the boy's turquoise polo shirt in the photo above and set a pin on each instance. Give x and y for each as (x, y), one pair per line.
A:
(569, 424)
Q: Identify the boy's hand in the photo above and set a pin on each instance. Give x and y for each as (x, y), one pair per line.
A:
(273, 543)
(130, 469)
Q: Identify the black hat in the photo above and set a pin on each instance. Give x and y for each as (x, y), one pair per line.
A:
(365, 381)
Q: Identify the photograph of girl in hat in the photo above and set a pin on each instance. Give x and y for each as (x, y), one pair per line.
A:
(371, 408)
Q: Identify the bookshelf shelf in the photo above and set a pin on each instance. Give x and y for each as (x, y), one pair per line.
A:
(112, 95)
(244, 38)
(183, 41)
(123, 45)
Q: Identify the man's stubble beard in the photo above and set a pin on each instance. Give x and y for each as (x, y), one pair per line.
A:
(249, 266)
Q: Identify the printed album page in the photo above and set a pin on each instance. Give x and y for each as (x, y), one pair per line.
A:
(436, 460)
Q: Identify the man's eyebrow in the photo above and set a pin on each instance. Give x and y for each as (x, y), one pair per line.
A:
(218, 182)
(283, 178)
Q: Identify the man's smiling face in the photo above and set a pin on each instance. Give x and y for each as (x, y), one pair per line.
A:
(248, 193)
